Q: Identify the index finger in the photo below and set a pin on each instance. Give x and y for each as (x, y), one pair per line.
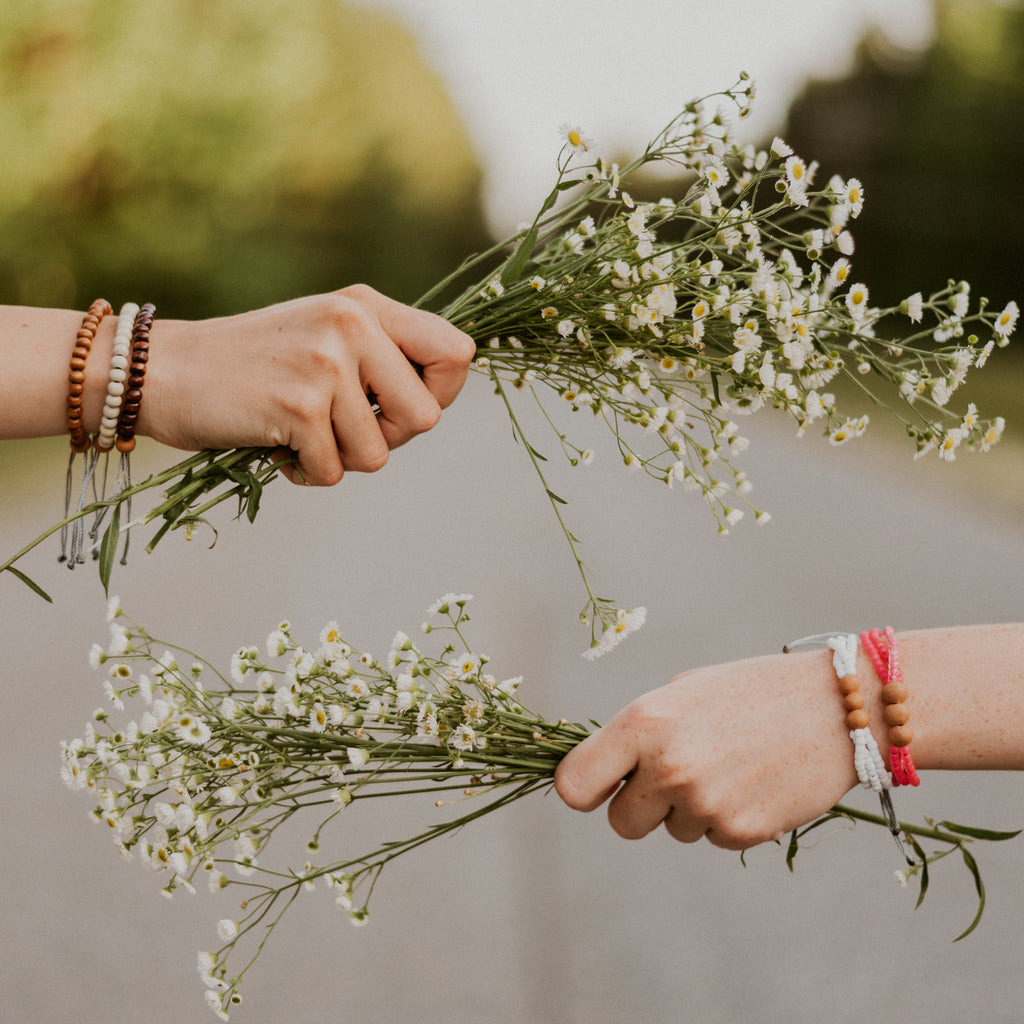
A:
(593, 770)
(443, 351)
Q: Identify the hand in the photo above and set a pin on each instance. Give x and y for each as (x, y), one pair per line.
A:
(296, 376)
(741, 753)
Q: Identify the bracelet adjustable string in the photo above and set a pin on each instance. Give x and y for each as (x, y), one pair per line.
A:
(867, 759)
(80, 441)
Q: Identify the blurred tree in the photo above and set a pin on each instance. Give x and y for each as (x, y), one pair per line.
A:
(935, 138)
(213, 157)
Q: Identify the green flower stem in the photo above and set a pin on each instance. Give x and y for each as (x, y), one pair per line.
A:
(594, 603)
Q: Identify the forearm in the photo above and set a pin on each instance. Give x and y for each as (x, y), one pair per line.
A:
(35, 349)
(746, 751)
(292, 377)
(966, 696)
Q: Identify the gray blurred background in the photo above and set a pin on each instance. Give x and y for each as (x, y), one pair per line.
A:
(218, 157)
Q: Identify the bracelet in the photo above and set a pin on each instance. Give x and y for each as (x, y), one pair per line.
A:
(76, 373)
(867, 758)
(136, 378)
(80, 441)
(104, 440)
(882, 650)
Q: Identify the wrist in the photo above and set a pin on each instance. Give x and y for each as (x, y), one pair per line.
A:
(170, 383)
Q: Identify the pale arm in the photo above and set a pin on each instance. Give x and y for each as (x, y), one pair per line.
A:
(294, 375)
(746, 751)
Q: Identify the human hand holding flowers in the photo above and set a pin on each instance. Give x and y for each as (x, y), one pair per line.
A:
(310, 364)
(668, 321)
(745, 752)
(210, 766)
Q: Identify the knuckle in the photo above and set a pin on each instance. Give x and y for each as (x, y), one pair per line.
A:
(739, 832)
(622, 825)
(330, 476)
(361, 294)
(463, 350)
(370, 459)
(424, 418)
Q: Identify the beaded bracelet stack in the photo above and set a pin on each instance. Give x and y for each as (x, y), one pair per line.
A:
(867, 759)
(881, 649)
(120, 414)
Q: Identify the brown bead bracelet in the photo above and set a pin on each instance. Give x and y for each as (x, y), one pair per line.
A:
(76, 373)
(129, 416)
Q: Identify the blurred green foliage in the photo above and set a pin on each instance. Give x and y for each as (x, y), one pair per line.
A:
(936, 139)
(217, 155)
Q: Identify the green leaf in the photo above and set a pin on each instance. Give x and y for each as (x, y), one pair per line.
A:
(252, 507)
(108, 548)
(792, 850)
(923, 859)
(972, 866)
(714, 388)
(158, 536)
(30, 583)
(978, 833)
(514, 267)
(555, 497)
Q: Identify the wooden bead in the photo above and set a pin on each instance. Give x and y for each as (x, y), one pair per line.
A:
(125, 444)
(853, 701)
(857, 719)
(901, 735)
(896, 714)
(895, 693)
(848, 684)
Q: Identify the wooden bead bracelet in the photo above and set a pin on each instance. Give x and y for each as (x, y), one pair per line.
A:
(867, 758)
(136, 378)
(76, 373)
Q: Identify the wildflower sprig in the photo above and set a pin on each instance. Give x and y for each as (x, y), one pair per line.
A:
(198, 783)
(670, 320)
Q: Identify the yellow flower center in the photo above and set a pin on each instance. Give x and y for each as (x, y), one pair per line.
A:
(575, 139)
